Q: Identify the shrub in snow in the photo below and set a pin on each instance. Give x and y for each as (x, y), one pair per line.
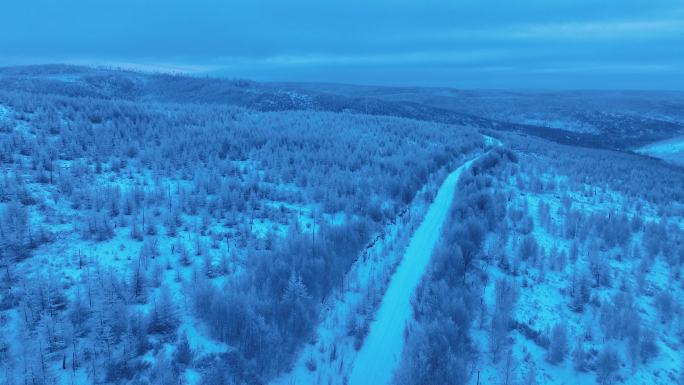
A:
(558, 344)
(528, 248)
(607, 365)
(506, 296)
(163, 318)
(16, 239)
(311, 364)
(436, 358)
(184, 354)
(579, 357)
(666, 305)
(649, 346)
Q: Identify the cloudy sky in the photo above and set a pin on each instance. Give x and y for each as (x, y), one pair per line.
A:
(614, 44)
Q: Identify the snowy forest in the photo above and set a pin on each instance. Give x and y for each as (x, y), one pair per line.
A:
(166, 229)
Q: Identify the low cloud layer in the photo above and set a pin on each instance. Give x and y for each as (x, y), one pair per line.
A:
(471, 44)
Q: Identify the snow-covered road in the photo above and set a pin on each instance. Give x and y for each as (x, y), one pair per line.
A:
(382, 348)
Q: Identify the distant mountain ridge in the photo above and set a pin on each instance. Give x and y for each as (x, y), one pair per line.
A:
(621, 120)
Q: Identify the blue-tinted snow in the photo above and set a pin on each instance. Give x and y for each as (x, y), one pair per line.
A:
(382, 348)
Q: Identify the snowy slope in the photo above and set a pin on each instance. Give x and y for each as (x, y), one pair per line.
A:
(545, 285)
(329, 356)
(382, 348)
(671, 150)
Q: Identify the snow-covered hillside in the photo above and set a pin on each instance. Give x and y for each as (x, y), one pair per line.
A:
(159, 229)
(594, 299)
(671, 150)
(385, 337)
(575, 278)
(162, 242)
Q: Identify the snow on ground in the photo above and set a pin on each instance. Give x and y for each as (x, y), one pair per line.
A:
(329, 354)
(670, 150)
(329, 357)
(543, 300)
(69, 257)
(381, 350)
(491, 141)
(4, 112)
(557, 123)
